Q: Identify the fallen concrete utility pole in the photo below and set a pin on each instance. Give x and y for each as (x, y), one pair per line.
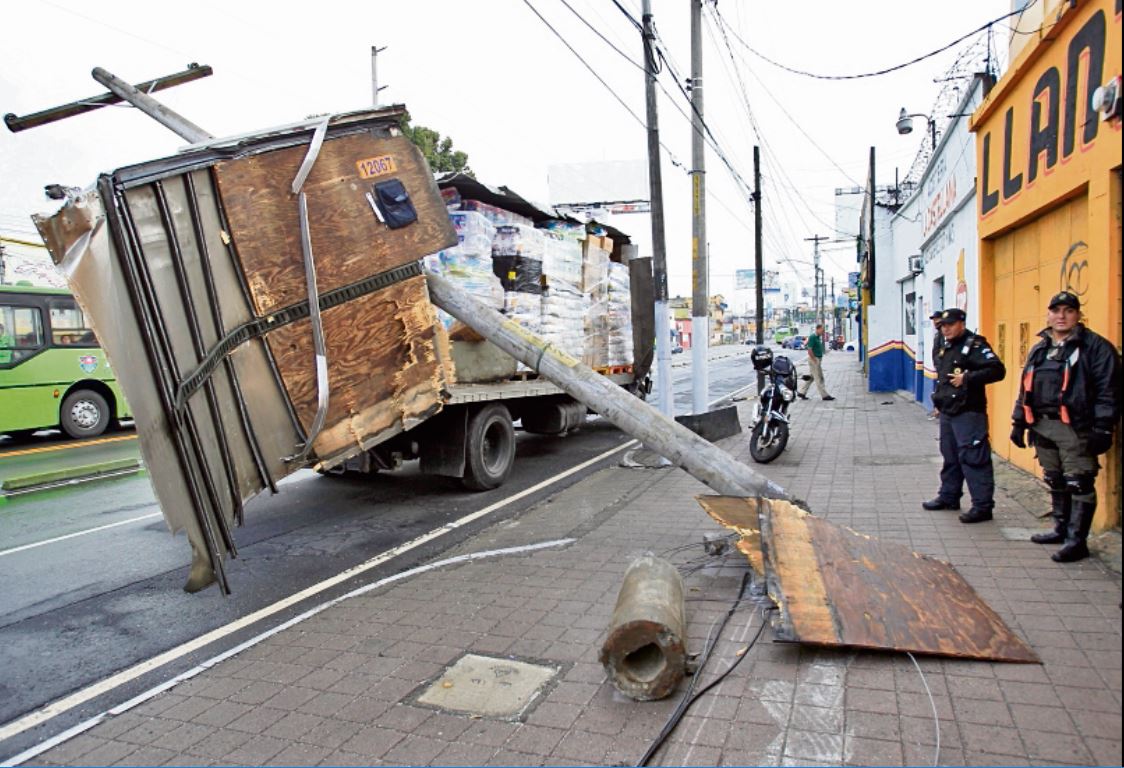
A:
(703, 460)
(644, 653)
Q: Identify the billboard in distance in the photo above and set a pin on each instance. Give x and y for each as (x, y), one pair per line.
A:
(746, 280)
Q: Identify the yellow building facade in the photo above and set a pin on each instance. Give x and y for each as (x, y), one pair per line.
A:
(1049, 201)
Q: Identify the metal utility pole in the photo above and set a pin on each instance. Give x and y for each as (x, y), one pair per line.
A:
(758, 257)
(170, 119)
(700, 301)
(834, 312)
(818, 304)
(375, 74)
(655, 192)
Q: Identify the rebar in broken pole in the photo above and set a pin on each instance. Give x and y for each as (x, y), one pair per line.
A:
(701, 459)
(645, 651)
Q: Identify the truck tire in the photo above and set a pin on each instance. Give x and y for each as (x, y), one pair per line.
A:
(84, 413)
(489, 448)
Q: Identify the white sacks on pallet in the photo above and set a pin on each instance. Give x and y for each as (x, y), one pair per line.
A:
(618, 316)
(564, 305)
(468, 265)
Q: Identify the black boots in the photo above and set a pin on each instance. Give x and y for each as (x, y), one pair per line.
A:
(976, 515)
(1062, 502)
(1080, 521)
(939, 503)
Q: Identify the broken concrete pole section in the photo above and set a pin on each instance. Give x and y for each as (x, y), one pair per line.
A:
(645, 654)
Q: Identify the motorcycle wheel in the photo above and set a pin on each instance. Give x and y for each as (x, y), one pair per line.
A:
(764, 448)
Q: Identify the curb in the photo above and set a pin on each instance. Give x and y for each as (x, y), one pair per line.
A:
(89, 471)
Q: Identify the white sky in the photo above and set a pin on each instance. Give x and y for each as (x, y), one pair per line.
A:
(493, 77)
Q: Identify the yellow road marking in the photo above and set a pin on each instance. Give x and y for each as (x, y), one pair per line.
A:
(49, 448)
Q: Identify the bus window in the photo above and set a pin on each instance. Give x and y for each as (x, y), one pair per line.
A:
(68, 325)
(21, 333)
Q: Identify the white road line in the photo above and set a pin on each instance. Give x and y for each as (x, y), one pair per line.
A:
(56, 708)
(86, 725)
(57, 539)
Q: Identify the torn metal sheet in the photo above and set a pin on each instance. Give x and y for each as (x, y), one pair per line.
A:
(836, 587)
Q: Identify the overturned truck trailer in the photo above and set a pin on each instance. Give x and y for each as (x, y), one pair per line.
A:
(198, 271)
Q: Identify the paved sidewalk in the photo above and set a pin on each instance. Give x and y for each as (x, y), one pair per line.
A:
(341, 688)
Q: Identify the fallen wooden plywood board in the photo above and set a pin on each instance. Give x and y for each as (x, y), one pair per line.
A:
(836, 587)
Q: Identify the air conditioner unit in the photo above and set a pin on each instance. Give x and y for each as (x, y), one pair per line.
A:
(916, 264)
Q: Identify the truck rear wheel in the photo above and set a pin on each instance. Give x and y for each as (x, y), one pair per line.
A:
(489, 448)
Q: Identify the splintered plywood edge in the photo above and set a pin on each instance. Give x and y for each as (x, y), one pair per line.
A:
(838, 587)
(383, 371)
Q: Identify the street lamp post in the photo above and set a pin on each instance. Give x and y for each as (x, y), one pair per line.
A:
(905, 125)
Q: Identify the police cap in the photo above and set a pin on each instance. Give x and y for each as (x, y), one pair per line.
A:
(935, 315)
(953, 315)
(1065, 299)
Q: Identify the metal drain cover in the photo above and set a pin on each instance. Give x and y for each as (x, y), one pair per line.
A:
(486, 686)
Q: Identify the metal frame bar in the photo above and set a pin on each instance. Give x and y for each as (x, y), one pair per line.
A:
(125, 255)
(216, 317)
(188, 299)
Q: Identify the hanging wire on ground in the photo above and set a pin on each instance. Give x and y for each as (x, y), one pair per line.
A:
(933, 704)
(688, 698)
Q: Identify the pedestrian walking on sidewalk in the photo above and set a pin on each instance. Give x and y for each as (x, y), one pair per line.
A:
(815, 365)
(965, 365)
(1068, 401)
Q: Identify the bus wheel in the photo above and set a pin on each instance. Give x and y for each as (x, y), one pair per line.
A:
(84, 413)
(489, 448)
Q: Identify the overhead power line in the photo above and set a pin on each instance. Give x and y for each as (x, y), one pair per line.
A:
(886, 70)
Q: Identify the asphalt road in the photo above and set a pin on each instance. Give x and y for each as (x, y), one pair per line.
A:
(94, 580)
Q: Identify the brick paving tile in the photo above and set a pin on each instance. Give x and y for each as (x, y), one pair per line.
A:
(114, 727)
(185, 736)
(219, 744)
(1085, 699)
(583, 746)
(690, 754)
(1105, 751)
(342, 757)
(489, 733)
(210, 688)
(148, 755)
(405, 718)
(703, 730)
(982, 711)
(876, 679)
(330, 733)
(872, 725)
(373, 742)
(147, 731)
(222, 713)
(1102, 725)
(257, 720)
(187, 709)
(965, 687)
(362, 709)
(860, 751)
(325, 704)
(465, 754)
(535, 739)
(293, 725)
(256, 751)
(1047, 719)
(991, 738)
(820, 748)
(72, 751)
(817, 719)
(290, 698)
(321, 679)
(157, 705)
(415, 750)
(442, 726)
(1061, 747)
(299, 754)
(506, 757)
(555, 715)
(257, 692)
(923, 754)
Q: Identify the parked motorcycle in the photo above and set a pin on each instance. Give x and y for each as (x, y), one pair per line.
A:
(769, 430)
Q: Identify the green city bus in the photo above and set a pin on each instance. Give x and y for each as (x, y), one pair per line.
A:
(52, 371)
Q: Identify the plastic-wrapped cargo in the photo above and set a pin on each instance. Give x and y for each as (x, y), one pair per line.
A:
(563, 320)
(524, 308)
(469, 266)
(519, 240)
(562, 264)
(595, 266)
(619, 315)
(564, 230)
(494, 214)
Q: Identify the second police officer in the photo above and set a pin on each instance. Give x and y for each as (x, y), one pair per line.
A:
(965, 365)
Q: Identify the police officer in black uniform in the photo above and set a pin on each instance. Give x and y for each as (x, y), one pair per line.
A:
(1068, 401)
(965, 364)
